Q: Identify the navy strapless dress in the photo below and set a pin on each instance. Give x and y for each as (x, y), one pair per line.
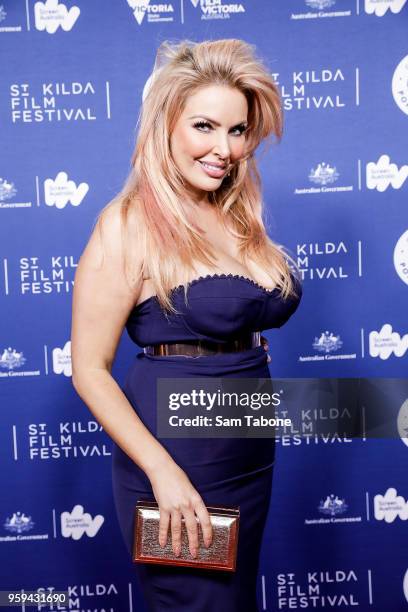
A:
(225, 471)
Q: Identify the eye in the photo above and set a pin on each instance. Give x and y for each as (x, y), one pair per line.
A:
(241, 129)
(204, 124)
(201, 124)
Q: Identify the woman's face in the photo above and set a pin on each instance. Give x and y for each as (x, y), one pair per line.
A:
(211, 130)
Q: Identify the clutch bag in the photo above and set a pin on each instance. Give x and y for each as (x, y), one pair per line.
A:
(220, 555)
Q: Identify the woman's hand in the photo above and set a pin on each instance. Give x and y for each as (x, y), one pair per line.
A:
(177, 498)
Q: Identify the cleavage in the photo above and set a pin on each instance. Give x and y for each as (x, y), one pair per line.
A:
(227, 263)
(147, 290)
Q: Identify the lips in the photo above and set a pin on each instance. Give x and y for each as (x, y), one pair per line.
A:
(211, 170)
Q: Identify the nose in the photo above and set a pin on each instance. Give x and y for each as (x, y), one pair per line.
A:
(222, 145)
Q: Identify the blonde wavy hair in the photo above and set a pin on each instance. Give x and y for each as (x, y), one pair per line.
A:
(154, 190)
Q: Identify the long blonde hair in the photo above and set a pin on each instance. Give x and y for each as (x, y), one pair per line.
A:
(153, 193)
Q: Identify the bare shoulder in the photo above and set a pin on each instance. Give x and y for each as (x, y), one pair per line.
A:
(107, 242)
(107, 264)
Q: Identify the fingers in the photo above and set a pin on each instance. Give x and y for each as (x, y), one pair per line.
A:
(190, 522)
(186, 513)
(175, 526)
(191, 526)
(205, 522)
(163, 527)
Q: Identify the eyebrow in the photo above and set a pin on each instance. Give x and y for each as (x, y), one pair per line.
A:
(215, 122)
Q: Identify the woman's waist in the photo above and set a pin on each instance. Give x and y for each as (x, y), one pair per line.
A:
(221, 363)
(198, 347)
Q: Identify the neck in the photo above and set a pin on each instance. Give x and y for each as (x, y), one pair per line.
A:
(202, 203)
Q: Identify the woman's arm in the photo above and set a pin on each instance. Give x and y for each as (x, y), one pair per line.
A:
(102, 301)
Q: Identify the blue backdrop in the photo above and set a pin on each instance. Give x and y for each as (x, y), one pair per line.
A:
(72, 77)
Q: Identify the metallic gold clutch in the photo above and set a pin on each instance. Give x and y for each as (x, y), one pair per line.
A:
(220, 555)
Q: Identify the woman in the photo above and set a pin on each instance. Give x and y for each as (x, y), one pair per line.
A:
(188, 218)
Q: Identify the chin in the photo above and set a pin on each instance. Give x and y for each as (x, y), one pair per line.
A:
(208, 182)
(205, 185)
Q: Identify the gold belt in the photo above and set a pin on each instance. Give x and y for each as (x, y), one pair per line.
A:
(196, 348)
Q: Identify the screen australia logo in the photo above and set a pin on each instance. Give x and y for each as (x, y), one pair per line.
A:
(77, 523)
(51, 15)
(386, 342)
(380, 7)
(390, 506)
(61, 359)
(60, 191)
(383, 174)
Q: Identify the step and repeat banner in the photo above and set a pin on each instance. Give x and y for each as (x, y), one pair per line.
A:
(335, 193)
